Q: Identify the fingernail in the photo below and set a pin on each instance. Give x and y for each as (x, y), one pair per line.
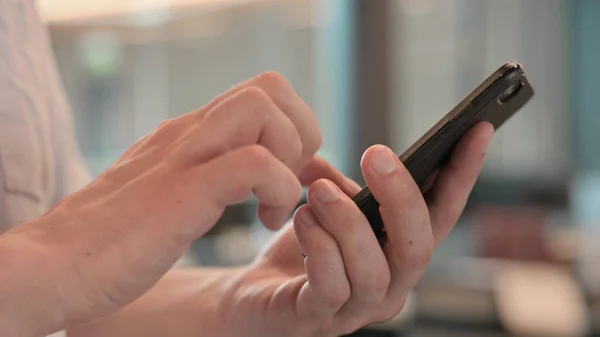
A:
(326, 192)
(383, 160)
(306, 219)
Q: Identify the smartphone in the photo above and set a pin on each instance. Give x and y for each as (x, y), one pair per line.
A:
(495, 100)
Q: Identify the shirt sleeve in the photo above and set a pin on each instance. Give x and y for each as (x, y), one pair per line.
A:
(3, 210)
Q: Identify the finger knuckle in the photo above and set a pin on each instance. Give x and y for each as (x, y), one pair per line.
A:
(369, 294)
(288, 148)
(326, 246)
(166, 124)
(276, 84)
(378, 286)
(336, 297)
(274, 80)
(296, 191)
(291, 194)
(256, 98)
(314, 143)
(412, 196)
(416, 200)
(295, 148)
(256, 156)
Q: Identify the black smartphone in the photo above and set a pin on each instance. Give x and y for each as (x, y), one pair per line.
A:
(495, 100)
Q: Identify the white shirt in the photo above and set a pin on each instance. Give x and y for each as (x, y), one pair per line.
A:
(39, 159)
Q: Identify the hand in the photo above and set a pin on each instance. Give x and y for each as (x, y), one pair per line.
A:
(346, 280)
(109, 243)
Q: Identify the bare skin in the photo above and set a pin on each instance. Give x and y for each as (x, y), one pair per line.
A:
(106, 247)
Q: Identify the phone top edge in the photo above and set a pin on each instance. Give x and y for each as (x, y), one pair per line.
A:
(494, 100)
(507, 69)
(508, 66)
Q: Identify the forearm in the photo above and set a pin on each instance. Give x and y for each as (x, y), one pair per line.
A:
(30, 297)
(182, 297)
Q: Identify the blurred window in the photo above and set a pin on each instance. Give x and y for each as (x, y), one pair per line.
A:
(128, 65)
(444, 49)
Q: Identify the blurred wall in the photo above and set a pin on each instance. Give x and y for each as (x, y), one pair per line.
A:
(123, 79)
(446, 48)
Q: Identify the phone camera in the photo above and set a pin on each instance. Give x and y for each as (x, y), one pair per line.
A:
(510, 93)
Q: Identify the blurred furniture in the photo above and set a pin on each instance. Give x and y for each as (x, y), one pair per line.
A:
(540, 299)
(498, 295)
(459, 292)
(512, 232)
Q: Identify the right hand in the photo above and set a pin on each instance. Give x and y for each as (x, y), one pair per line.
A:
(114, 239)
(324, 276)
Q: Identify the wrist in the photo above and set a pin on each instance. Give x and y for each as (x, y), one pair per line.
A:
(185, 302)
(31, 302)
(201, 296)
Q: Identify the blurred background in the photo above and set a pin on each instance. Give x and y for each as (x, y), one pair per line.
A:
(522, 261)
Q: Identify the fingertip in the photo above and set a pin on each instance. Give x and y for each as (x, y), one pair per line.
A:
(273, 218)
(302, 221)
(456, 180)
(474, 145)
(323, 191)
(483, 132)
(487, 125)
(365, 160)
(380, 160)
(304, 218)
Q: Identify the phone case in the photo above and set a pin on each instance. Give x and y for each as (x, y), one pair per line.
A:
(495, 100)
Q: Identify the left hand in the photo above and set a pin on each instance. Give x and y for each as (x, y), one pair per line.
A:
(346, 280)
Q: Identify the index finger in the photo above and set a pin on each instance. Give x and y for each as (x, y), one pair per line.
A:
(287, 100)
